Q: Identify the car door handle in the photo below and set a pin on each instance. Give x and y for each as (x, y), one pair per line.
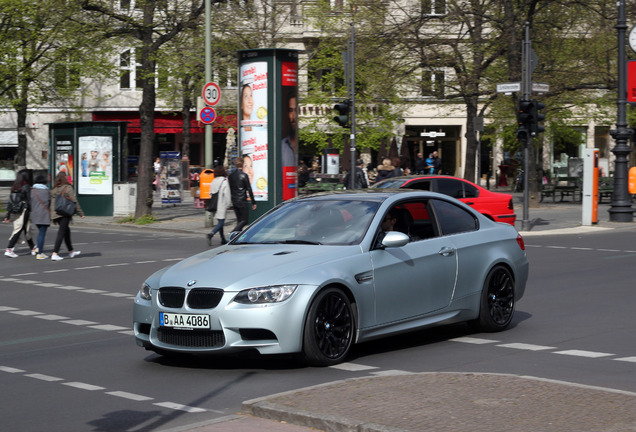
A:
(447, 251)
(470, 203)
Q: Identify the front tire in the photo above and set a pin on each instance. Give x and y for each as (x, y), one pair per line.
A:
(497, 301)
(329, 329)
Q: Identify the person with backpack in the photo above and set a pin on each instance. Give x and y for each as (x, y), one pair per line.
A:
(18, 212)
(40, 212)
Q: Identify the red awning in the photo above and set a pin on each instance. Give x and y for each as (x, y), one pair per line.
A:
(166, 123)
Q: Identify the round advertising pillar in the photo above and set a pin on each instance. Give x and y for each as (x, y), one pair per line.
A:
(268, 124)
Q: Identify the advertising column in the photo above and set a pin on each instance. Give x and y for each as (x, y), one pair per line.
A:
(268, 124)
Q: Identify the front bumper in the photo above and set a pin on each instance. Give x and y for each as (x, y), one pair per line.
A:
(270, 329)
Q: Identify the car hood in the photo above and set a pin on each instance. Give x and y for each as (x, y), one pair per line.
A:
(237, 267)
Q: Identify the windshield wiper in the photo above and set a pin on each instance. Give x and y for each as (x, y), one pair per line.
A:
(294, 241)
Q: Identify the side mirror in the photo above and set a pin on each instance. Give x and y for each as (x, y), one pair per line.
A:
(395, 239)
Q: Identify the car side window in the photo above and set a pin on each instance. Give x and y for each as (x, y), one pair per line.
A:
(453, 219)
(450, 187)
(419, 222)
(420, 185)
(470, 191)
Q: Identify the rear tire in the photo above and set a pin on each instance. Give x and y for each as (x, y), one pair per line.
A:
(329, 329)
(497, 304)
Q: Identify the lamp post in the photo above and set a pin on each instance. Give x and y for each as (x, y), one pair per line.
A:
(621, 208)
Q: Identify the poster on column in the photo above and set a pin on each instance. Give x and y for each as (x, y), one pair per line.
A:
(289, 144)
(254, 124)
(96, 165)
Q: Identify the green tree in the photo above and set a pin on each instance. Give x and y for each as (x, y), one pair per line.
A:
(149, 27)
(45, 54)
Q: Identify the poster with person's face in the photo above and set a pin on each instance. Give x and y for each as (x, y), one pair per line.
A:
(253, 121)
(95, 165)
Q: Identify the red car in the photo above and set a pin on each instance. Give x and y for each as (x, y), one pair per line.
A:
(495, 205)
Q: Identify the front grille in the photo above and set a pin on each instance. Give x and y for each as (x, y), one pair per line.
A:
(191, 338)
(171, 297)
(204, 298)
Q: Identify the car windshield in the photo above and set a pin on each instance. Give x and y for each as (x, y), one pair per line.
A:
(316, 222)
(389, 184)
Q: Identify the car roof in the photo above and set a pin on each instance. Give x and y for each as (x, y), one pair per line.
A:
(371, 195)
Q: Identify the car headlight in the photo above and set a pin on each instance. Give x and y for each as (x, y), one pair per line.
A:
(145, 292)
(271, 294)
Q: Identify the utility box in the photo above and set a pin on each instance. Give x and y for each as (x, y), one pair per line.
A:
(124, 199)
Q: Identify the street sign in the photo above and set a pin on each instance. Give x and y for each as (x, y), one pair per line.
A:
(508, 87)
(207, 115)
(540, 87)
(211, 93)
(433, 134)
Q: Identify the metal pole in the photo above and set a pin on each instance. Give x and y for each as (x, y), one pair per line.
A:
(621, 208)
(352, 97)
(208, 78)
(526, 83)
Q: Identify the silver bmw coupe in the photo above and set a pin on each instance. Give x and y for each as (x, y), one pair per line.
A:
(317, 274)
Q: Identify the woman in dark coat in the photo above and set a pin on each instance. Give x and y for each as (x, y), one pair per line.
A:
(21, 189)
(41, 212)
(61, 186)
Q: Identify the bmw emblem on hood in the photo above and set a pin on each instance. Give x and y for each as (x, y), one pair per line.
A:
(192, 282)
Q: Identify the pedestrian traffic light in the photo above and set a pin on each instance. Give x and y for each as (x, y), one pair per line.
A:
(343, 109)
(537, 118)
(524, 115)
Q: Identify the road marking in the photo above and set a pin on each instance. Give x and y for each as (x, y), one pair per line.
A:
(83, 386)
(79, 322)
(581, 353)
(627, 359)
(48, 285)
(10, 369)
(42, 377)
(7, 308)
(473, 340)
(108, 327)
(52, 317)
(179, 407)
(26, 312)
(352, 367)
(527, 347)
(117, 393)
(131, 396)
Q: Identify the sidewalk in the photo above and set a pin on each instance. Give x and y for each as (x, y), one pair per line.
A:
(440, 402)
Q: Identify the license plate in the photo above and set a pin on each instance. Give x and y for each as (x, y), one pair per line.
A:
(185, 321)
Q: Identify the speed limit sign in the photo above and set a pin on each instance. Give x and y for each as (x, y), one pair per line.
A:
(211, 93)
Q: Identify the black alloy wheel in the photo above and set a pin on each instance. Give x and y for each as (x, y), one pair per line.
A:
(497, 300)
(329, 329)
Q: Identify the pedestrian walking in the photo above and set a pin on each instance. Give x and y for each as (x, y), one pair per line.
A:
(240, 190)
(361, 180)
(420, 164)
(437, 163)
(41, 212)
(18, 212)
(62, 187)
(221, 187)
(385, 170)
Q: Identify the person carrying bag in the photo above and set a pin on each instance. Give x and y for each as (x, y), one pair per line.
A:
(62, 188)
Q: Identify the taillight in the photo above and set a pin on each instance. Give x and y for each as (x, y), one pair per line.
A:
(520, 242)
(511, 206)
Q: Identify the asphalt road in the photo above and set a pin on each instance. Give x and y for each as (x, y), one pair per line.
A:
(68, 361)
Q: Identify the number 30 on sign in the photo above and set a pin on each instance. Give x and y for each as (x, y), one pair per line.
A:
(211, 93)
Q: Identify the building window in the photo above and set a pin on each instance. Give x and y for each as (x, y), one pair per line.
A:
(66, 71)
(128, 71)
(433, 83)
(336, 5)
(433, 7)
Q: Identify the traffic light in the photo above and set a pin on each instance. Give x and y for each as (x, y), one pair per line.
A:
(524, 115)
(343, 109)
(537, 118)
(528, 117)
